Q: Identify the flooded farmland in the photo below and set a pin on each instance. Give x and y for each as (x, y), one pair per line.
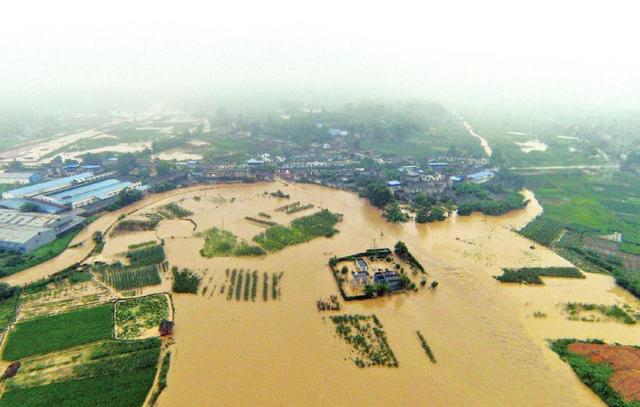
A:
(490, 350)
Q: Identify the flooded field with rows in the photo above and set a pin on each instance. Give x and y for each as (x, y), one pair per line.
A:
(273, 347)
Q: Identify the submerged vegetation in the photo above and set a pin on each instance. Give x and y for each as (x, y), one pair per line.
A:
(367, 339)
(242, 285)
(294, 208)
(301, 230)
(185, 281)
(531, 275)
(137, 225)
(425, 347)
(174, 210)
(220, 242)
(575, 311)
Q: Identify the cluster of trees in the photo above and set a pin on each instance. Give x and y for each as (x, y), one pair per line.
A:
(163, 186)
(126, 197)
(428, 209)
(432, 214)
(394, 214)
(6, 291)
(493, 207)
(378, 193)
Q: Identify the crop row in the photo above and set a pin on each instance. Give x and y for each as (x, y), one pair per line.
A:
(542, 230)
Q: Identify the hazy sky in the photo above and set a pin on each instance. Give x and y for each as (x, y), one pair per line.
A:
(563, 52)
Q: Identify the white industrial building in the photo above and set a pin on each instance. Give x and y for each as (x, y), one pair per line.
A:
(23, 232)
(20, 239)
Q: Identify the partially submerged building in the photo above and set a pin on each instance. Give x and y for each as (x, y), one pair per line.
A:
(391, 278)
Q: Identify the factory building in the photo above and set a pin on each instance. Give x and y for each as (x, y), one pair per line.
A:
(66, 193)
(46, 187)
(23, 232)
(20, 178)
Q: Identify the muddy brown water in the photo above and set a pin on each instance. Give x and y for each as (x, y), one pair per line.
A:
(490, 350)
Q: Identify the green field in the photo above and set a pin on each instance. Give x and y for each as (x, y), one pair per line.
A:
(301, 230)
(124, 278)
(125, 389)
(58, 332)
(600, 203)
(542, 230)
(7, 311)
(137, 314)
(146, 255)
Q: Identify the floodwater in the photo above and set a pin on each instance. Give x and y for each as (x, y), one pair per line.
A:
(118, 148)
(177, 154)
(32, 153)
(490, 350)
(532, 145)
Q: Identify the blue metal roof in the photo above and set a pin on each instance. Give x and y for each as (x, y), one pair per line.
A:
(48, 185)
(393, 183)
(98, 190)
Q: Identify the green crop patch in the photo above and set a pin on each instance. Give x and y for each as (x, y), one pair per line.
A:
(531, 275)
(301, 230)
(542, 230)
(58, 332)
(125, 389)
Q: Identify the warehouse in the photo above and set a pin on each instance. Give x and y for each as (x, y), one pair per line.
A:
(20, 178)
(46, 187)
(21, 239)
(24, 232)
(86, 194)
